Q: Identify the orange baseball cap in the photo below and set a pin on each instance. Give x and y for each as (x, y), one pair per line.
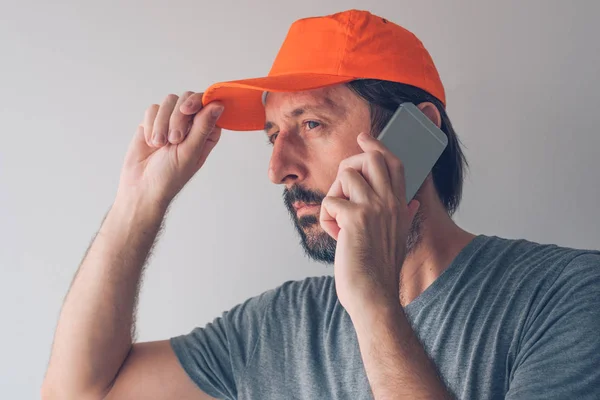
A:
(324, 51)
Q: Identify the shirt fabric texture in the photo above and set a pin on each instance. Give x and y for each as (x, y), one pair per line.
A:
(508, 319)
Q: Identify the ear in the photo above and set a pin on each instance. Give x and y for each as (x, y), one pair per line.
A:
(432, 112)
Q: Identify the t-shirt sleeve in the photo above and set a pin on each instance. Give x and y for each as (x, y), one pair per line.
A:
(559, 356)
(215, 356)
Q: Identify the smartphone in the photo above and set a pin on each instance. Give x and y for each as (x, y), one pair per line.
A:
(416, 141)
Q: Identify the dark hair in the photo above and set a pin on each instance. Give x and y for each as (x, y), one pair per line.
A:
(384, 97)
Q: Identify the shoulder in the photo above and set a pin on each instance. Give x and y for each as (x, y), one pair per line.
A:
(307, 292)
(528, 275)
(296, 304)
(315, 285)
(580, 278)
(543, 277)
(526, 258)
(288, 300)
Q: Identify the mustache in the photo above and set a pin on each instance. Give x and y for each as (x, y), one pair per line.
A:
(298, 193)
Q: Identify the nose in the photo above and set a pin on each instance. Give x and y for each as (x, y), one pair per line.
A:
(287, 165)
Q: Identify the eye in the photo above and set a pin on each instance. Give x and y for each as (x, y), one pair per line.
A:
(312, 124)
(271, 139)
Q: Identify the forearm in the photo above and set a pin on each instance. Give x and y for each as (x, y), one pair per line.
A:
(94, 332)
(395, 362)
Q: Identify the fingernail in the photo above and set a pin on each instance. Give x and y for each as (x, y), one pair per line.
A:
(159, 140)
(217, 111)
(174, 136)
(189, 104)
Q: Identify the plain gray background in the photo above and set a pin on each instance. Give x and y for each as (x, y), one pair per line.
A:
(523, 91)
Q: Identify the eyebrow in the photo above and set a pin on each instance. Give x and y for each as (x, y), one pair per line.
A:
(328, 106)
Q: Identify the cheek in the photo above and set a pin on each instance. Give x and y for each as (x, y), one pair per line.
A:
(324, 171)
(325, 166)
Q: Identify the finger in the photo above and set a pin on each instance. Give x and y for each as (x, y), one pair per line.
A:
(202, 127)
(371, 165)
(149, 118)
(161, 123)
(394, 164)
(179, 123)
(350, 184)
(192, 105)
(334, 212)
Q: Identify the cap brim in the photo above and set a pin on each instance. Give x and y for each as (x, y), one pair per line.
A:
(242, 99)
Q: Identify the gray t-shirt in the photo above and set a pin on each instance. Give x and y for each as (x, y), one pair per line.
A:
(508, 319)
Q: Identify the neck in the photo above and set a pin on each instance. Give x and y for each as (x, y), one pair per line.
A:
(441, 241)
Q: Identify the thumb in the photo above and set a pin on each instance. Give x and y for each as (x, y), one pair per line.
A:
(202, 126)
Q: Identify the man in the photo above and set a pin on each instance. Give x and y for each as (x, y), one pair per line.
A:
(418, 307)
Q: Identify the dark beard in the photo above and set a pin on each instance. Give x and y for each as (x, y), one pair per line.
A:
(317, 244)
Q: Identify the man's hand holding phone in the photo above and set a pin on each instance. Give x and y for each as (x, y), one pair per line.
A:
(365, 211)
(369, 212)
(168, 148)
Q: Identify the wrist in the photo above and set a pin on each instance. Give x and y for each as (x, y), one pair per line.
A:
(366, 301)
(131, 209)
(376, 312)
(140, 205)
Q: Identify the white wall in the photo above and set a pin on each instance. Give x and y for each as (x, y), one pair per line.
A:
(75, 79)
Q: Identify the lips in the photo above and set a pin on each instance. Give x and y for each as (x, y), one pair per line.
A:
(299, 205)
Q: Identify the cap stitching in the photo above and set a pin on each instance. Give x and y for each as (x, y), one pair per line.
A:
(426, 79)
(344, 52)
